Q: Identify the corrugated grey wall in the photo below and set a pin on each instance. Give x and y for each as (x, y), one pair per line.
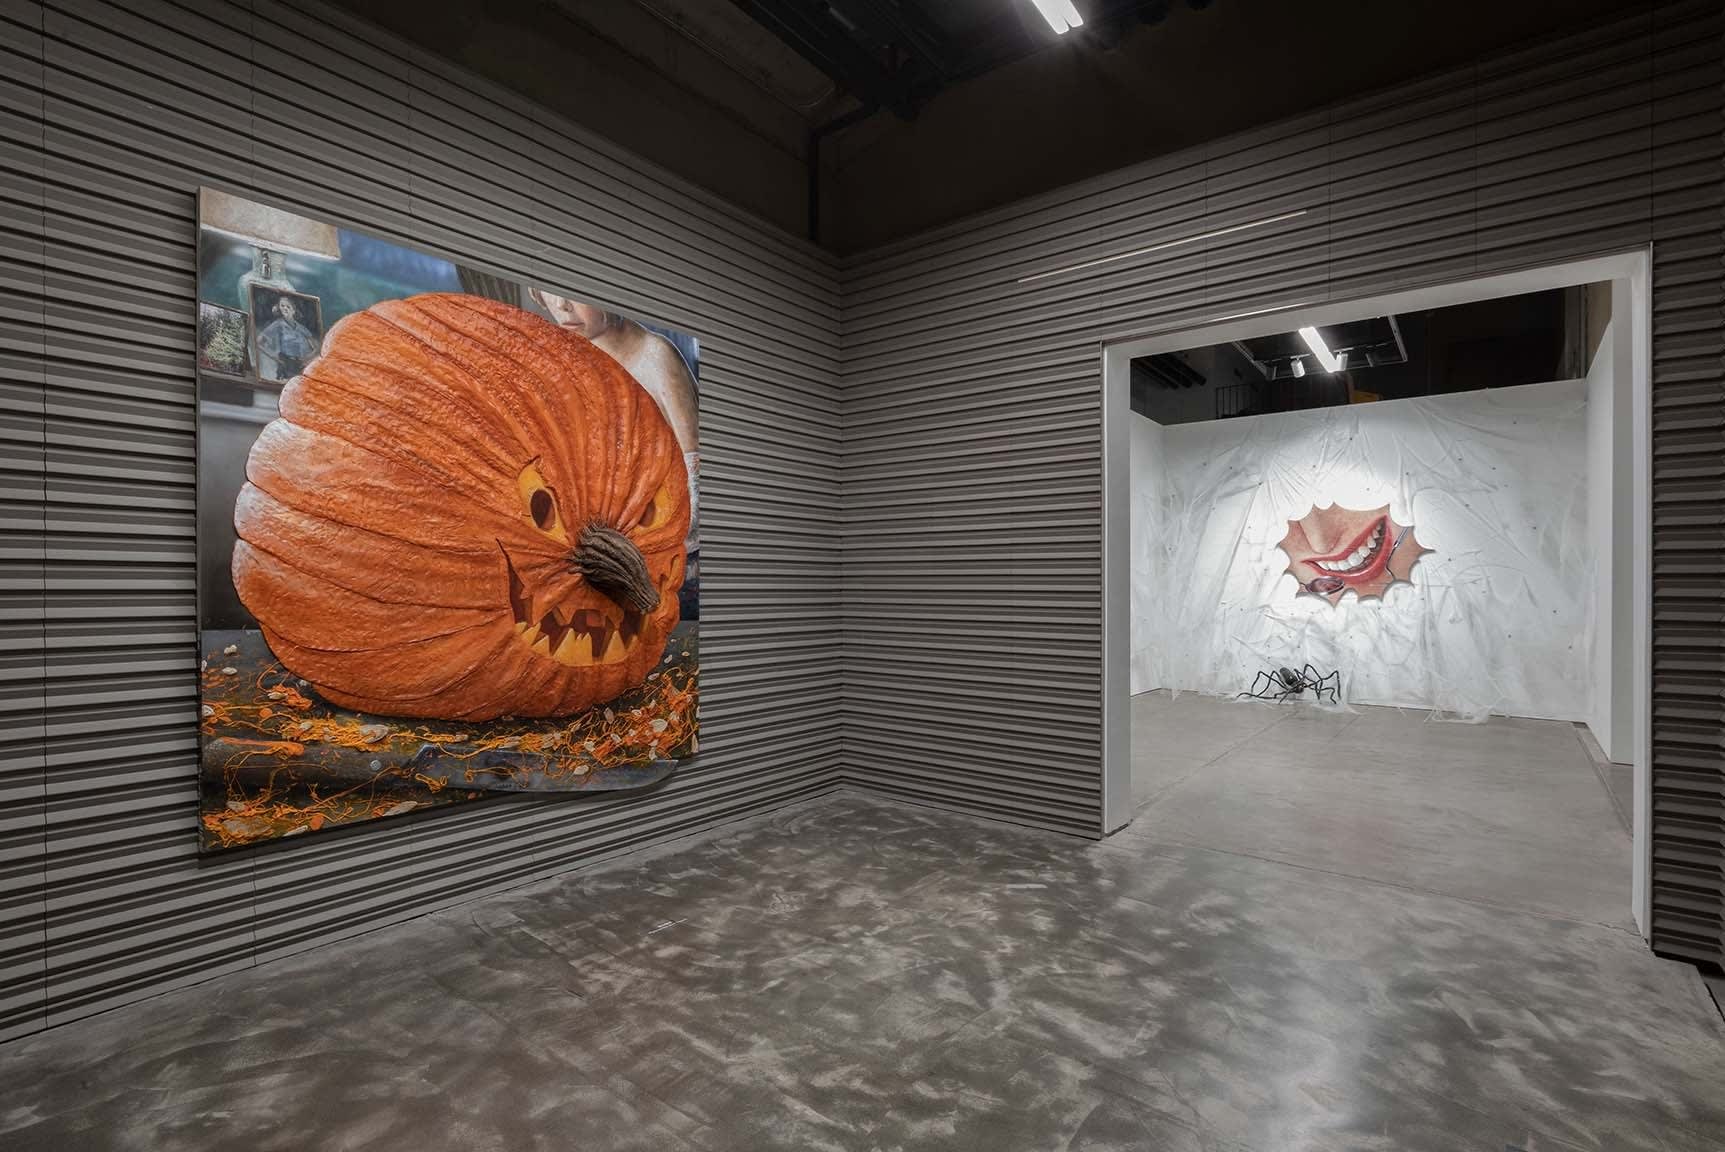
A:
(111, 115)
(972, 467)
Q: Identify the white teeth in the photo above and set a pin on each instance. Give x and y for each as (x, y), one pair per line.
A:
(1357, 557)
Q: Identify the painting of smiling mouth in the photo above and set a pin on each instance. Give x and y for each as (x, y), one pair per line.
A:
(1334, 550)
(453, 556)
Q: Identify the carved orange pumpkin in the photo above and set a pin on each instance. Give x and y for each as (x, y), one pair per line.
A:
(463, 512)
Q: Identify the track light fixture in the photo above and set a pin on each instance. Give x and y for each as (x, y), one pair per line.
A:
(1060, 14)
(1315, 341)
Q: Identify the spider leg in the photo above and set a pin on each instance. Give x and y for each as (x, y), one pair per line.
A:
(1267, 686)
(1256, 691)
(1330, 684)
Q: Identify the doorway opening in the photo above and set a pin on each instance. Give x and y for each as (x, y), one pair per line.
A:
(1377, 587)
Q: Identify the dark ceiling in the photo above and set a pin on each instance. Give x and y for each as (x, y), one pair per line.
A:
(924, 111)
(1495, 343)
(899, 54)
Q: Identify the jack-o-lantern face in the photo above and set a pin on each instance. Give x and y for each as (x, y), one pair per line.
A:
(463, 512)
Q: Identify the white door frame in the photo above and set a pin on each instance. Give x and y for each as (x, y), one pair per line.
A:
(1633, 267)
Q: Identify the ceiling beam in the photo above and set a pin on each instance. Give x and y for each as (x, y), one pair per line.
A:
(810, 28)
(906, 26)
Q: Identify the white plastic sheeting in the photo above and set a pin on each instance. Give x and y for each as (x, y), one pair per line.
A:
(1497, 618)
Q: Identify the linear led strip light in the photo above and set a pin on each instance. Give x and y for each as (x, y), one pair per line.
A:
(1060, 14)
(1160, 247)
(1315, 341)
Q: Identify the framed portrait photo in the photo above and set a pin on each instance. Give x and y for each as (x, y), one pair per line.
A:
(287, 332)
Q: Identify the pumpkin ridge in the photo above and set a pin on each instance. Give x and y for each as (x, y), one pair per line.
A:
(404, 463)
(516, 337)
(287, 563)
(263, 522)
(360, 401)
(473, 667)
(494, 401)
(532, 414)
(333, 519)
(649, 464)
(643, 482)
(645, 456)
(500, 699)
(262, 467)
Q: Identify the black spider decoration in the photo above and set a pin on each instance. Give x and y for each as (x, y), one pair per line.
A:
(1285, 682)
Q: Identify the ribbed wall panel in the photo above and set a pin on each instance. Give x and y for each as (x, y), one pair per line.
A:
(22, 525)
(1688, 221)
(111, 116)
(972, 447)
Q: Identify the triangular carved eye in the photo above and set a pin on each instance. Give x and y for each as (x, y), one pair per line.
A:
(539, 503)
(658, 510)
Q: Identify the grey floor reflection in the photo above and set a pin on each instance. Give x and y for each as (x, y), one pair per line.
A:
(856, 975)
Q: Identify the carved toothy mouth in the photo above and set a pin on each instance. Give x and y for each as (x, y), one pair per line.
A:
(578, 637)
(1361, 560)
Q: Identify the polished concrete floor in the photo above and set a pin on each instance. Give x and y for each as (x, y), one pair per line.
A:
(1510, 812)
(1332, 968)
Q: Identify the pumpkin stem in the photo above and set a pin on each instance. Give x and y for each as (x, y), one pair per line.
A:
(611, 563)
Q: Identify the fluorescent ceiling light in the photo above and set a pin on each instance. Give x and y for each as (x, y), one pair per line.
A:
(1315, 342)
(1060, 14)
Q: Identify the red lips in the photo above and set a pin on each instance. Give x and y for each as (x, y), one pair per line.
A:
(1362, 559)
(1378, 551)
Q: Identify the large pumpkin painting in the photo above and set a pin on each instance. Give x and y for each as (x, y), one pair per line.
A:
(447, 543)
(464, 512)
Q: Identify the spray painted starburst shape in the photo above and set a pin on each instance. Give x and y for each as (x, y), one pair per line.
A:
(1334, 550)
